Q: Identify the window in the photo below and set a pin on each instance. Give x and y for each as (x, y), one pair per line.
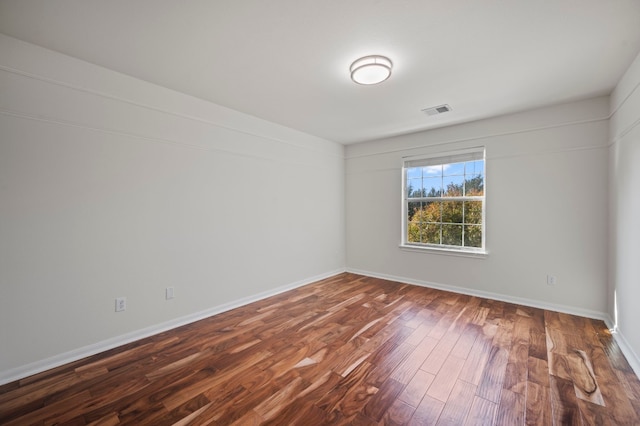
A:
(444, 201)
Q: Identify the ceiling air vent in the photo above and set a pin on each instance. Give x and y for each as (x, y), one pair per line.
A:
(437, 109)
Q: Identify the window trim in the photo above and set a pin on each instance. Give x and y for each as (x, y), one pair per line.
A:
(448, 157)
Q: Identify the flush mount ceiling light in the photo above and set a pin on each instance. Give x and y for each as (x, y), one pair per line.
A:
(371, 69)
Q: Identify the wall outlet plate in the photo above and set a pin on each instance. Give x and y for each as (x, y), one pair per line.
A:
(121, 304)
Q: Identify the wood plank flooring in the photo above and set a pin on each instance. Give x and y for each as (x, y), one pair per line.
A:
(348, 350)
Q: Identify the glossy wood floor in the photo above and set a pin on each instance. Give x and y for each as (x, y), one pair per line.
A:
(348, 350)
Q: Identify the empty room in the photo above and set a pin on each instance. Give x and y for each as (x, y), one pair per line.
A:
(366, 212)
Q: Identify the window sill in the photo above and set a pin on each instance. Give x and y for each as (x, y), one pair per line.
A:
(445, 251)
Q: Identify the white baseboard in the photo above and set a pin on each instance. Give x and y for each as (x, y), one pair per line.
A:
(630, 355)
(489, 295)
(625, 347)
(85, 351)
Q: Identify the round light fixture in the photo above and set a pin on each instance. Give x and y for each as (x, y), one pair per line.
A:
(371, 69)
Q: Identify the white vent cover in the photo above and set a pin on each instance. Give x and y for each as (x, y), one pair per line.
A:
(437, 109)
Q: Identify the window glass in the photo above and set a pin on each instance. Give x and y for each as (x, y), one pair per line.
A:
(444, 200)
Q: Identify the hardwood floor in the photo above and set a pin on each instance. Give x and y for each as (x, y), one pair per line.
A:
(348, 350)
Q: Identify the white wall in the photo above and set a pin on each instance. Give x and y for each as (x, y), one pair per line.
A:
(111, 186)
(546, 179)
(624, 253)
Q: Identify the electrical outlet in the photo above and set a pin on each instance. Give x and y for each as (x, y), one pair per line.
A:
(551, 280)
(169, 293)
(121, 304)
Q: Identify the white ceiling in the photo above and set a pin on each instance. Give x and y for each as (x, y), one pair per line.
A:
(287, 61)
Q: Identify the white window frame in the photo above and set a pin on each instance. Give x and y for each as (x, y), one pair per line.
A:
(440, 158)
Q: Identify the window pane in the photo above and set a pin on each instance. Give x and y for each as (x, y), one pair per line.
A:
(412, 208)
(473, 235)
(432, 212)
(424, 212)
(413, 232)
(414, 188)
(414, 172)
(452, 211)
(453, 183)
(426, 233)
(474, 168)
(433, 187)
(431, 233)
(452, 235)
(474, 178)
(432, 171)
(473, 212)
(454, 169)
(474, 186)
(453, 186)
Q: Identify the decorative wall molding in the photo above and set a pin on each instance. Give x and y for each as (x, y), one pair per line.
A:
(489, 158)
(624, 100)
(125, 134)
(487, 136)
(624, 132)
(167, 111)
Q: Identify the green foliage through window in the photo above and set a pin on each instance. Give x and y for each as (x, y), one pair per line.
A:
(444, 201)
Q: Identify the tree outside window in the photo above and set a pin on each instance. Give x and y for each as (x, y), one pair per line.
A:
(444, 201)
